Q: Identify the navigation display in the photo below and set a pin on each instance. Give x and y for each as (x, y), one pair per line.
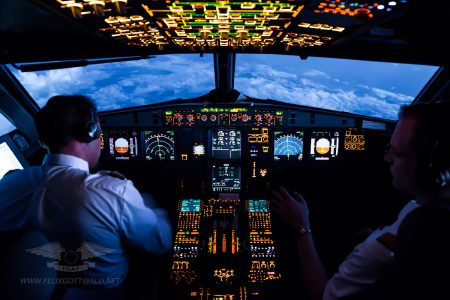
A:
(288, 146)
(324, 145)
(257, 206)
(226, 144)
(159, 145)
(226, 177)
(123, 144)
(190, 205)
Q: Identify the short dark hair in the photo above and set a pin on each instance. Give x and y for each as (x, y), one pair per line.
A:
(432, 124)
(430, 142)
(63, 118)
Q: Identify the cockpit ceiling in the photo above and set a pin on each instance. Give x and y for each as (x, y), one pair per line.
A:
(388, 30)
(201, 25)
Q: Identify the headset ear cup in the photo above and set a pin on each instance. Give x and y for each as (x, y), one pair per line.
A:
(441, 161)
(435, 172)
(92, 131)
(443, 179)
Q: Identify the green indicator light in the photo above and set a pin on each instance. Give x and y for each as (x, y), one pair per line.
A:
(279, 113)
(169, 112)
(200, 23)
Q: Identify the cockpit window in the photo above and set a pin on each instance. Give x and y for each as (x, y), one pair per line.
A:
(126, 84)
(375, 89)
(5, 125)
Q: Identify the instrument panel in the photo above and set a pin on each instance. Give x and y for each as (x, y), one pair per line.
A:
(223, 159)
(233, 133)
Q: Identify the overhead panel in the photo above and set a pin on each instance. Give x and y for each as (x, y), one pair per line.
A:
(206, 25)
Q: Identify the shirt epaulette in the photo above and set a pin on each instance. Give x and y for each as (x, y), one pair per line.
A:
(116, 174)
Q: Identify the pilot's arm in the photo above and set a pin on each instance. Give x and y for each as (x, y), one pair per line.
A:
(144, 225)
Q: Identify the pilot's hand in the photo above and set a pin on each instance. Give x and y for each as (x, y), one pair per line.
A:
(291, 207)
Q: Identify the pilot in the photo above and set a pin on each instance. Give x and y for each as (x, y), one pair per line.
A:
(90, 219)
(418, 155)
(422, 246)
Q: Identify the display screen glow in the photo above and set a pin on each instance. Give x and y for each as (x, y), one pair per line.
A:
(190, 205)
(226, 144)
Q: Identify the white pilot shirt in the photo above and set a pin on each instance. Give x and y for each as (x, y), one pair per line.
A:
(367, 264)
(96, 215)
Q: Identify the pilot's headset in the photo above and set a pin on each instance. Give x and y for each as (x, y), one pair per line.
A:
(88, 129)
(434, 165)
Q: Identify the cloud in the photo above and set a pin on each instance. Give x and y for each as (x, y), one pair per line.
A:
(391, 96)
(316, 73)
(44, 84)
(313, 92)
(126, 84)
(168, 77)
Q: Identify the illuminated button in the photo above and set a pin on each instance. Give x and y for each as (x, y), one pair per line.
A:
(204, 118)
(213, 118)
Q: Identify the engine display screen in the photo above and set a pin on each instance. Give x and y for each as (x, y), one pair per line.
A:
(226, 177)
(159, 145)
(257, 206)
(190, 205)
(258, 140)
(288, 146)
(123, 144)
(324, 145)
(226, 144)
